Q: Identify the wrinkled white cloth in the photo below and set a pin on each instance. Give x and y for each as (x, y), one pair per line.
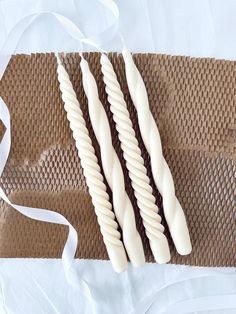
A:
(201, 28)
(40, 286)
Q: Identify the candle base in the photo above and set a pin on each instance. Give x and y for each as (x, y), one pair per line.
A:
(160, 250)
(118, 259)
(135, 251)
(182, 241)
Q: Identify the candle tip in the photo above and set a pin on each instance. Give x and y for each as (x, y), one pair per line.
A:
(104, 57)
(126, 54)
(58, 58)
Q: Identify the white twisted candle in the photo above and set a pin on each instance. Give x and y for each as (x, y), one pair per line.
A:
(112, 169)
(163, 179)
(135, 164)
(92, 173)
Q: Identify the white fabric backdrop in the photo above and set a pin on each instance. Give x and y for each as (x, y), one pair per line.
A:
(196, 28)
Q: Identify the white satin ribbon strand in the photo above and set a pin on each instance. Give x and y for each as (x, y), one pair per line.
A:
(97, 41)
(35, 213)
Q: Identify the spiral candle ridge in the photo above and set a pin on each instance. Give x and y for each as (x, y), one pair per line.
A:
(162, 176)
(112, 169)
(92, 173)
(135, 164)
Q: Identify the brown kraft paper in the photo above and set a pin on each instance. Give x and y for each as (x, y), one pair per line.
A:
(193, 103)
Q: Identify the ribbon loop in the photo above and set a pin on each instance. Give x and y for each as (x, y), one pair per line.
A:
(96, 41)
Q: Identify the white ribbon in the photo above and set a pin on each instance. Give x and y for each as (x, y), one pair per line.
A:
(97, 41)
(35, 213)
(44, 215)
(7, 50)
(209, 303)
(191, 305)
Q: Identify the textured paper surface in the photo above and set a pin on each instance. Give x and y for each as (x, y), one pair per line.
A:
(193, 102)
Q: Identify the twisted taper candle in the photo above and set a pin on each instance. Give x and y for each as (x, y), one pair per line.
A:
(135, 164)
(163, 179)
(92, 172)
(112, 169)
